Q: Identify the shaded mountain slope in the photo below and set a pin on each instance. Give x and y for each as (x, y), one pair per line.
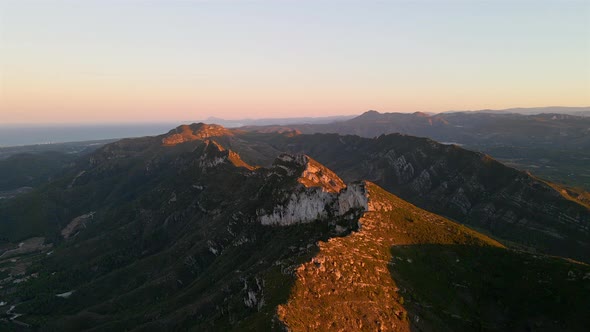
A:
(192, 236)
(181, 243)
(31, 170)
(471, 128)
(553, 146)
(466, 186)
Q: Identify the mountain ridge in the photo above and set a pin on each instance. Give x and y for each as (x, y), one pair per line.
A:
(178, 240)
(551, 145)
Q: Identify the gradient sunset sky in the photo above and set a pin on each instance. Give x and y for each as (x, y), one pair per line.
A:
(121, 61)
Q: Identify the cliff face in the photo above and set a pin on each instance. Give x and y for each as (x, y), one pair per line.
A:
(319, 194)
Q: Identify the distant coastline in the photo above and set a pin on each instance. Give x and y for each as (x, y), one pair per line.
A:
(19, 135)
(35, 134)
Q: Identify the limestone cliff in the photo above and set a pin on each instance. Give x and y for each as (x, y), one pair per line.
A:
(319, 193)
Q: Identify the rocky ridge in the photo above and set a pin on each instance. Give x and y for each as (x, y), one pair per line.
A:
(319, 194)
(352, 274)
(190, 236)
(467, 186)
(214, 154)
(193, 132)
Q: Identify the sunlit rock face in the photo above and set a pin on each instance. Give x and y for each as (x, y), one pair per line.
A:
(317, 175)
(194, 132)
(320, 194)
(214, 155)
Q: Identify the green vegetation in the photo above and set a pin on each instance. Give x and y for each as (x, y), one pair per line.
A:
(469, 187)
(32, 170)
(169, 244)
(461, 287)
(568, 167)
(175, 244)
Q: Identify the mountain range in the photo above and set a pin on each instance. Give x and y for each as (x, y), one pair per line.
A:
(551, 145)
(209, 228)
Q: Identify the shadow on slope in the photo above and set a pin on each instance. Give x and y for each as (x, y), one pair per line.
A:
(481, 288)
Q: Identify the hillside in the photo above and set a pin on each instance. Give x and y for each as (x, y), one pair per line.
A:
(468, 187)
(409, 270)
(551, 145)
(146, 235)
(194, 229)
(471, 188)
(470, 128)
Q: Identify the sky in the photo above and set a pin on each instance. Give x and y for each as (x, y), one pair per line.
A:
(148, 61)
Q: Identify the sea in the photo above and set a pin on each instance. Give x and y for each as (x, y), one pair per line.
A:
(28, 134)
(19, 135)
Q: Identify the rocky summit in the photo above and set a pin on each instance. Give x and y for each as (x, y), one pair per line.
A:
(210, 229)
(193, 132)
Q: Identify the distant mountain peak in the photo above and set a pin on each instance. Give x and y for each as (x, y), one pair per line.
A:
(194, 132)
(370, 114)
(421, 114)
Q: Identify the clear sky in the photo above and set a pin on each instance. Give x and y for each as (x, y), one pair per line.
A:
(111, 61)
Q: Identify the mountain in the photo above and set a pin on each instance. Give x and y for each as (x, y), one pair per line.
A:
(23, 168)
(186, 233)
(183, 231)
(473, 128)
(274, 121)
(553, 146)
(30, 170)
(469, 187)
(578, 111)
(409, 270)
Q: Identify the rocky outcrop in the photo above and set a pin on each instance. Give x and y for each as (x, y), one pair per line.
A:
(214, 154)
(467, 186)
(194, 132)
(77, 224)
(319, 194)
(316, 175)
(311, 204)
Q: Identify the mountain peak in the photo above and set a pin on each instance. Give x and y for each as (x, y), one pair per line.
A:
(318, 175)
(194, 132)
(318, 195)
(421, 114)
(312, 173)
(370, 114)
